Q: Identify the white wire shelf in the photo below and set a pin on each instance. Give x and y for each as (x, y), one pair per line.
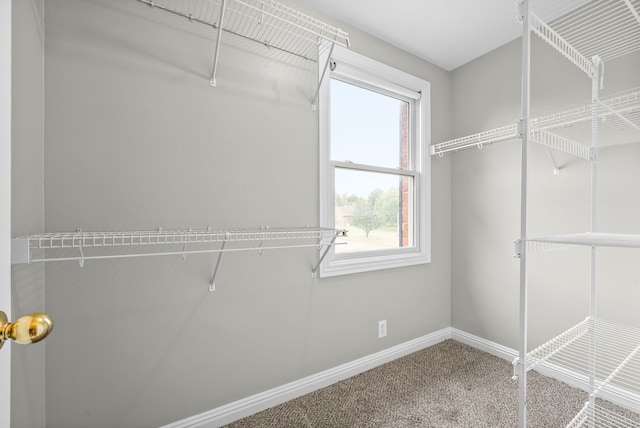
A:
(476, 140)
(554, 242)
(160, 236)
(590, 239)
(610, 352)
(559, 142)
(618, 121)
(172, 242)
(23, 247)
(608, 29)
(266, 22)
(602, 418)
(569, 130)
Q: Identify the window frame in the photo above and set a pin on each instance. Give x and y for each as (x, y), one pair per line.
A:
(367, 73)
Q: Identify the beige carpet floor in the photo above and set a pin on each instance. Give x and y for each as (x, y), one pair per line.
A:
(447, 385)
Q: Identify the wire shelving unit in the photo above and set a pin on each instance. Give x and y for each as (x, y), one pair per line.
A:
(39, 247)
(604, 354)
(588, 33)
(266, 22)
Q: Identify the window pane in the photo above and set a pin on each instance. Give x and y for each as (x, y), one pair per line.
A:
(367, 127)
(374, 208)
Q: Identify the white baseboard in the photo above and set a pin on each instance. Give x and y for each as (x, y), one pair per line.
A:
(248, 406)
(487, 346)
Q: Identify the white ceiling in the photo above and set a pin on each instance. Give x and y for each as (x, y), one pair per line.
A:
(447, 33)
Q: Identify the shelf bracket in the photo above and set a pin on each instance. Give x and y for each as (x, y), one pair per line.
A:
(556, 170)
(212, 283)
(518, 248)
(217, 48)
(324, 254)
(519, 128)
(517, 368)
(328, 63)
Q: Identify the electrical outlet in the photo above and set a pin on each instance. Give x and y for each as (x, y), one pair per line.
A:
(382, 329)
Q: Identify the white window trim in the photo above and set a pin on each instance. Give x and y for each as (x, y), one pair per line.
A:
(355, 66)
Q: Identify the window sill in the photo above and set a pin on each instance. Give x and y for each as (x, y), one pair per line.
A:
(351, 265)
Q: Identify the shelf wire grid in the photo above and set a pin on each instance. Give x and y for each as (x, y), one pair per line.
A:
(591, 239)
(476, 140)
(560, 142)
(581, 30)
(569, 130)
(158, 237)
(617, 355)
(619, 121)
(165, 242)
(263, 21)
(602, 418)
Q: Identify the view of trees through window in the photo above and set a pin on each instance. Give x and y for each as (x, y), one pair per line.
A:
(370, 144)
(374, 218)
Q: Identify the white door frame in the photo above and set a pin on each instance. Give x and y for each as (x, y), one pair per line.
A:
(5, 203)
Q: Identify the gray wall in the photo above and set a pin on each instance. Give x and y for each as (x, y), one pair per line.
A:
(136, 139)
(27, 204)
(486, 202)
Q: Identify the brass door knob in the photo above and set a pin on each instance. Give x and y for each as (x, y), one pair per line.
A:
(30, 328)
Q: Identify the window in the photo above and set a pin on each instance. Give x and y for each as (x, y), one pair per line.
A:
(374, 164)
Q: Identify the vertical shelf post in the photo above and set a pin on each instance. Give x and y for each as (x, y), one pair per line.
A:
(596, 74)
(524, 132)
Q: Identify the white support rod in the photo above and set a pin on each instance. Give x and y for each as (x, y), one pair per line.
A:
(526, 85)
(595, 89)
(217, 48)
(324, 72)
